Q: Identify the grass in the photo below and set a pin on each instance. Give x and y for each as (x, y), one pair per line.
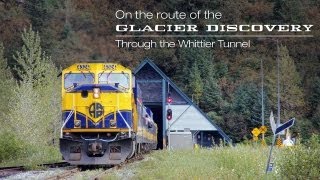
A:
(33, 157)
(241, 162)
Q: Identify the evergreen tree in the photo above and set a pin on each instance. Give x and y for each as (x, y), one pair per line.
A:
(32, 62)
(315, 119)
(291, 94)
(193, 59)
(247, 102)
(278, 10)
(245, 113)
(212, 98)
(195, 84)
(40, 12)
(314, 102)
(35, 102)
(314, 99)
(283, 11)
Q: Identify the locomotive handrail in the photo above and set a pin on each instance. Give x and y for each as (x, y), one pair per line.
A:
(130, 129)
(65, 122)
(100, 139)
(89, 87)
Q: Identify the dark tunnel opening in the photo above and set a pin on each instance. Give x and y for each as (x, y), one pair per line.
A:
(157, 117)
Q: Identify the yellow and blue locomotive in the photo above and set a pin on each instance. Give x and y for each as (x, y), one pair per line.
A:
(104, 119)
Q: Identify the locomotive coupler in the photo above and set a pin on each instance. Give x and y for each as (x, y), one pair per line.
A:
(95, 148)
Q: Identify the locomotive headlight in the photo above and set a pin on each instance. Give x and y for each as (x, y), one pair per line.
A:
(77, 123)
(113, 123)
(96, 93)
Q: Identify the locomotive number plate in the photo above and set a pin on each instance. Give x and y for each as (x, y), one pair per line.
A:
(82, 67)
(110, 66)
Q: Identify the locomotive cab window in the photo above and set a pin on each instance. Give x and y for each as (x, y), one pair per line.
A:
(121, 79)
(78, 78)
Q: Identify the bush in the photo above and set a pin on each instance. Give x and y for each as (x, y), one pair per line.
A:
(301, 161)
(33, 118)
(15, 151)
(10, 146)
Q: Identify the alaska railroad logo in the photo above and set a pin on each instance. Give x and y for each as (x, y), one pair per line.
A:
(96, 110)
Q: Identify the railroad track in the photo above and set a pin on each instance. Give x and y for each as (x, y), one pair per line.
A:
(8, 171)
(64, 175)
(68, 173)
(55, 165)
(128, 161)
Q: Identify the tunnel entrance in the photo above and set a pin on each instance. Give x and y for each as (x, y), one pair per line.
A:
(155, 88)
(157, 117)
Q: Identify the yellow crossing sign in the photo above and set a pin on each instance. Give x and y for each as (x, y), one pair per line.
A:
(263, 129)
(279, 142)
(255, 132)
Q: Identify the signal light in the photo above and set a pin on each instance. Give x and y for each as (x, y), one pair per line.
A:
(169, 99)
(169, 114)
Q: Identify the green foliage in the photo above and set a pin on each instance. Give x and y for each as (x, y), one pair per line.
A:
(235, 126)
(215, 117)
(32, 61)
(10, 146)
(316, 117)
(34, 116)
(291, 92)
(82, 31)
(305, 129)
(211, 100)
(246, 110)
(240, 162)
(221, 70)
(314, 99)
(314, 141)
(246, 99)
(283, 11)
(196, 83)
(40, 12)
(301, 162)
(5, 72)
(6, 84)
(37, 113)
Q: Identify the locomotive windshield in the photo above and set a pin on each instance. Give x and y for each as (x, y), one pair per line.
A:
(78, 78)
(112, 78)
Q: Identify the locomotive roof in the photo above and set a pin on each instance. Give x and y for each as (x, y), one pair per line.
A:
(96, 66)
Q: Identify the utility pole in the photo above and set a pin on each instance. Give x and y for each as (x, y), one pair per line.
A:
(262, 97)
(278, 86)
(278, 119)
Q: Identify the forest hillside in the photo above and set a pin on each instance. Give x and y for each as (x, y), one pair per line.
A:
(225, 83)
